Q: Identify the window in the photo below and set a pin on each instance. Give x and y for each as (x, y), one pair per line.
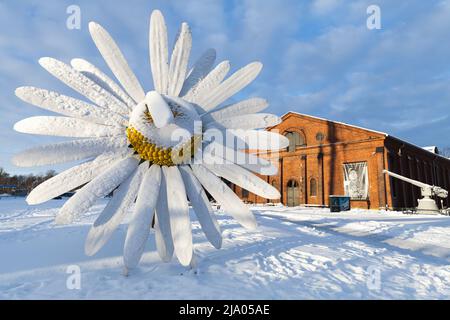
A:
(356, 180)
(245, 193)
(320, 136)
(295, 140)
(312, 187)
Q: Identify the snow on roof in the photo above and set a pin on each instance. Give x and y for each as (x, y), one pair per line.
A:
(432, 149)
(345, 124)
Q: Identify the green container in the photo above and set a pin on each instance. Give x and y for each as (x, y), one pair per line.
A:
(339, 203)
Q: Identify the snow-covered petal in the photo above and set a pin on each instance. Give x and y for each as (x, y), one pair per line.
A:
(232, 85)
(207, 84)
(225, 196)
(159, 109)
(114, 212)
(83, 85)
(202, 207)
(116, 61)
(249, 106)
(70, 179)
(163, 234)
(141, 222)
(96, 75)
(200, 69)
(159, 54)
(165, 250)
(69, 106)
(68, 151)
(260, 140)
(179, 60)
(180, 225)
(243, 178)
(65, 127)
(244, 159)
(101, 186)
(246, 121)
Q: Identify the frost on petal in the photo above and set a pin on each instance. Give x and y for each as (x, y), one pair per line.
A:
(101, 186)
(259, 140)
(200, 69)
(96, 75)
(116, 61)
(207, 84)
(83, 85)
(225, 196)
(202, 207)
(244, 159)
(69, 106)
(163, 234)
(246, 121)
(68, 151)
(236, 82)
(179, 60)
(72, 178)
(243, 178)
(159, 53)
(114, 212)
(248, 106)
(141, 221)
(180, 225)
(65, 127)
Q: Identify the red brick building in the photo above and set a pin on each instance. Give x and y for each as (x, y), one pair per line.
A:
(331, 158)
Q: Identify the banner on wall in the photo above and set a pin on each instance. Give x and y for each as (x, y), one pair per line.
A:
(356, 180)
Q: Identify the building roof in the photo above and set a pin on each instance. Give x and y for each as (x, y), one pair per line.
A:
(342, 123)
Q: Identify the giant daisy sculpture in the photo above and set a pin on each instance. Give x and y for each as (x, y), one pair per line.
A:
(153, 150)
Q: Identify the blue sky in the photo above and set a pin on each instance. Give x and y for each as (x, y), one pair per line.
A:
(319, 57)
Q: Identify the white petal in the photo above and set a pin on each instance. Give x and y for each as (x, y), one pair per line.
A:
(179, 60)
(114, 212)
(260, 140)
(200, 69)
(225, 196)
(246, 121)
(180, 225)
(159, 55)
(96, 75)
(249, 106)
(82, 84)
(68, 151)
(243, 178)
(65, 127)
(202, 207)
(159, 109)
(141, 222)
(68, 106)
(70, 179)
(207, 84)
(116, 61)
(101, 186)
(236, 82)
(165, 250)
(244, 159)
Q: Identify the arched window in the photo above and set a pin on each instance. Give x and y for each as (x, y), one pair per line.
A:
(312, 187)
(295, 140)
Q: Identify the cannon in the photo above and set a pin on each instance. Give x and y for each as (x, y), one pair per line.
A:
(426, 204)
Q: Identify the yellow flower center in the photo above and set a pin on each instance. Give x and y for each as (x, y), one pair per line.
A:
(160, 155)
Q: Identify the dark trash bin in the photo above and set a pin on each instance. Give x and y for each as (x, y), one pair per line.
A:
(339, 203)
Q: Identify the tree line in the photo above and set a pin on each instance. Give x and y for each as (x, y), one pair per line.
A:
(21, 184)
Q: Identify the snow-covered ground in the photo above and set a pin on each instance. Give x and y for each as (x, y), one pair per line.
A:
(299, 253)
